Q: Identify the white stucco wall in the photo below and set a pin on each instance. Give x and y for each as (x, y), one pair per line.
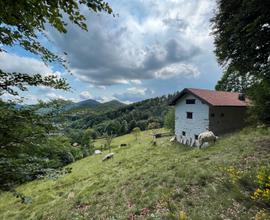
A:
(194, 126)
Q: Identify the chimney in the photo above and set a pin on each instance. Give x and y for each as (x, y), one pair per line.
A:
(241, 97)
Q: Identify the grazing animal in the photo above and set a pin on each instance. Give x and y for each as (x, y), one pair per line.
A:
(123, 145)
(158, 135)
(206, 136)
(75, 144)
(108, 156)
(154, 140)
(173, 139)
(97, 152)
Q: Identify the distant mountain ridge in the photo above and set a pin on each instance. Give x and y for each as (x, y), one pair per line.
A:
(93, 104)
(89, 103)
(63, 106)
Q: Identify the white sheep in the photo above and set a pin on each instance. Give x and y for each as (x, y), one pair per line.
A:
(97, 152)
(173, 139)
(108, 156)
(206, 136)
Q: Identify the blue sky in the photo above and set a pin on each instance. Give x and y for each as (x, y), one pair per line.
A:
(153, 47)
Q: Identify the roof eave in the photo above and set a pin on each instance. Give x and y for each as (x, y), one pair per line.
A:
(182, 93)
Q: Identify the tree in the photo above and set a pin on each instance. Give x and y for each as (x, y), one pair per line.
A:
(260, 110)
(87, 143)
(108, 141)
(113, 127)
(242, 38)
(132, 125)
(22, 22)
(91, 133)
(169, 120)
(124, 127)
(20, 127)
(136, 132)
(233, 80)
(29, 146)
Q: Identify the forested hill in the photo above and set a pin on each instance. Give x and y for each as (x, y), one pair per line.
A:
(117, 118)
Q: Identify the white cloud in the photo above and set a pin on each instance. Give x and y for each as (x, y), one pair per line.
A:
(10, 62)
(134, 90)
(134, 94)
(136, 81)
(53, 95)
(146, 38)
(9, 97)
(85, 95)
(152, 43)
(105, 98)
(179, 69)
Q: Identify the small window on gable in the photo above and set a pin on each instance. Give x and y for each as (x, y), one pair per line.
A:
(190, 101)
(196, 136)
(212, 114)
(189, 115)
(183, 133)
(222, 115)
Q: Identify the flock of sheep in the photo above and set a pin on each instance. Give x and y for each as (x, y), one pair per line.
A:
(204, 137)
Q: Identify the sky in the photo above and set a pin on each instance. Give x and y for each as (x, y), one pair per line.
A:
(151, 48)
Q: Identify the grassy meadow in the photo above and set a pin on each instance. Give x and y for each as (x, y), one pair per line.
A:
(142, 181)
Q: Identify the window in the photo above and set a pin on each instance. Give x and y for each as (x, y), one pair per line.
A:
(189, 115)
(222, 115)
(212, 114)
(196, 136)
(190, 101)
(183, 133)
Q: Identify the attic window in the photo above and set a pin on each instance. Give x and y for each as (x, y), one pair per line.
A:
(189, 115)
(183, 133)
(190, 101)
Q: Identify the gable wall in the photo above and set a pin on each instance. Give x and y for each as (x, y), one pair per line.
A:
(196, 125)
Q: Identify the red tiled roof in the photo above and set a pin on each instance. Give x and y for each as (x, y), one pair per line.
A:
(214, 98)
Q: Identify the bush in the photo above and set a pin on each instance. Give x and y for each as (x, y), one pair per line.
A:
(153, 125)
(136, 132)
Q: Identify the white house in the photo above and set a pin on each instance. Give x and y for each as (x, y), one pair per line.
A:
(198, 110)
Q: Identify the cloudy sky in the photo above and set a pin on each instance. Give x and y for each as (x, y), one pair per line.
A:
(153, 47)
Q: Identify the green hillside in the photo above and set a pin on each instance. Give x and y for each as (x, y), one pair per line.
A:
(142, 181)
(117, 118)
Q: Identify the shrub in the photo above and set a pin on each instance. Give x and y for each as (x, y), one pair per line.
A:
(153, 125)
(136, 132)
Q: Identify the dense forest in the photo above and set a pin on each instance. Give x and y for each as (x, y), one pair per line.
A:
(119, 120)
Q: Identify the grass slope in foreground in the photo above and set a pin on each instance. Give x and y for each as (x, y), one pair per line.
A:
(151, 182)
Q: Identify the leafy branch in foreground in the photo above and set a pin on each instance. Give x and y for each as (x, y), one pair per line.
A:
(8, 81)
(23, 22)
